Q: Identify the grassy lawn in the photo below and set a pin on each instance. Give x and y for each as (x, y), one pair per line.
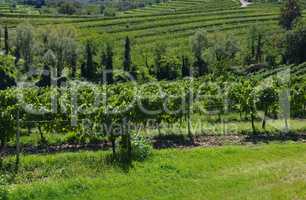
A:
(267, 171)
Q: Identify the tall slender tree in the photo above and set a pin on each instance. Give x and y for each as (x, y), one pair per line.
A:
(259, 47)
(186, 71)
(17, 55)
(89, 72)
(0, 37)
(199, 43)
(159, 53)
(83, 70)
(109, 64)
(127, 62)
(73, 64)
(290, 11)
(256, 41)
(6, 40)
(133, 72)
(24, 41)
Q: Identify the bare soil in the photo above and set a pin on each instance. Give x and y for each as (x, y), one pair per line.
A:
(169, 141)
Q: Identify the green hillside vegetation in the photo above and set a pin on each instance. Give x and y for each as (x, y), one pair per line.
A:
(173, 74)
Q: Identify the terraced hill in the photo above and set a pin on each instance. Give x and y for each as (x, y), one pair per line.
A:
(295, 70)
(171, 23)
(7, 9)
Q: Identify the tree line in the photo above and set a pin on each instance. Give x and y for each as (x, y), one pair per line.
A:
(58, 48)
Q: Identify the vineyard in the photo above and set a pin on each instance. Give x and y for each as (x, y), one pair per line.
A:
(177, 99)
(171, 22)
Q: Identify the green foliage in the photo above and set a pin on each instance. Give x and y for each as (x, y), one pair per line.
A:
(7, 72)
(141, 147)
(89, 69)
(8, 110)
(25, 43)
(6, 41)
(127, 62)
(68, 8)
(73, 138)
(295, 44)
(290, 12)
(199, 43)
(169, 68)
(3, 188)
(109, 12)
(59, 48)
(267, 98)
(255, 45)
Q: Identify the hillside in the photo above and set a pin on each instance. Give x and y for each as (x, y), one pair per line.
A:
(154, 99)
(172, 22)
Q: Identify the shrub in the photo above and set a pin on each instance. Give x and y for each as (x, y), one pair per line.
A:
(3, 188)
(141, 147)
(72, 138)
(109, 12)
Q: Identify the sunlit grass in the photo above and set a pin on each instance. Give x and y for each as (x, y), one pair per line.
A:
(275, 171)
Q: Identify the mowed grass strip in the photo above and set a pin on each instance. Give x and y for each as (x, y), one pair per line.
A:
(274, 171)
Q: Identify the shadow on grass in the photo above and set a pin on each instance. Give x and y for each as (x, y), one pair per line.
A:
(119, 161)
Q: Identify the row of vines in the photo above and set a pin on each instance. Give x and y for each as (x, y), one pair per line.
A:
(169, 102)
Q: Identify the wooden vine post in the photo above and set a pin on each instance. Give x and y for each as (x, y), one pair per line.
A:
(18, 141)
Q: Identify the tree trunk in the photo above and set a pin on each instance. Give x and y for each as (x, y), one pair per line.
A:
(158, 128)
(29, 129)
(17, 144)
(2, 146)
(42, 138)
(253, 123)
(113, 141)
(264, 119)
(189, 122)
(286, 124)
(145, 127)
(126, 142)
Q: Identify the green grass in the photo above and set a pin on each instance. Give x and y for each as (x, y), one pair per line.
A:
(274, 171)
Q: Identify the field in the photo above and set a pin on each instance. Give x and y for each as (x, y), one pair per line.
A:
(274, 171)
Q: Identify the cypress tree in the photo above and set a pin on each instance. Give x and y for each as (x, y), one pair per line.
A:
(6, 42)
(127, 55)
(73, 64)
(159, 53)
(289, 13)
(89, 65)
(17, 55)
(109, 64)
(185, 67)
(0, 38)
(83, 70)
(134, 72)
(199, 42)
(202, 66)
